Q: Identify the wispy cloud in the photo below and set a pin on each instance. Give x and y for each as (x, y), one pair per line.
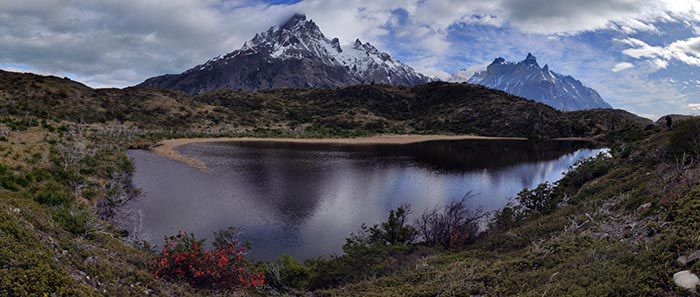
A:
(622, 66)
(686, 51)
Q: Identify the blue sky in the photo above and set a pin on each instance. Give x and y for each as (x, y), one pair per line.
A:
(641, 55)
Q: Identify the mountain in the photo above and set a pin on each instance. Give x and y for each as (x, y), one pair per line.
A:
(527, 79)
(295, 54)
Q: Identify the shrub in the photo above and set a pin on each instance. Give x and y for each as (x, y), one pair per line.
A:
(585, 170)
(395, 230)
(71, 220)
(684, 139)
(184, 259)
(10, 180)
(452, 226)
(52, 194)
(372, 252)
(287, 273)
(539, 199)
(507, 217)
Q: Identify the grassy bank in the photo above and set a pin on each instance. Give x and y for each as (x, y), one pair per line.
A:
(617, 227)
(613, 226)
(59, 182)
(620, 226)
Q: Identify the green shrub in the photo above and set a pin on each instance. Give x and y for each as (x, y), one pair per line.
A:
(539, 199)
(582, 172)
(395, 230)
(507, 217)
(72, 220)
(684, 139)
(287, 273)
(372, 252)
(53, 194)
(11, 180)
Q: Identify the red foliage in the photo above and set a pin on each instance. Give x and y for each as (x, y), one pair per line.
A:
(183, 258)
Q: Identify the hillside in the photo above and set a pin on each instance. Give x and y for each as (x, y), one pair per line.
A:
(363, 109)
(623, 224)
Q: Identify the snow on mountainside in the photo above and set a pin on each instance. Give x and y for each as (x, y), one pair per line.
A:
(527, 79)
(293, 55)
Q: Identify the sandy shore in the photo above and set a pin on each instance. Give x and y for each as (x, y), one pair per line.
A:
(167, 148)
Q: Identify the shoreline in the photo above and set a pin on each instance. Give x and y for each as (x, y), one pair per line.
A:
(168, 148)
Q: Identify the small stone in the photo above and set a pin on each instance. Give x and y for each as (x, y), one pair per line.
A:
(693, 257)
(683, 260)
(687, 280)
(91, 260)
(422, 267)
(644, 207)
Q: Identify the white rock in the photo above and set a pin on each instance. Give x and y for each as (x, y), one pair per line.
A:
(686, 279)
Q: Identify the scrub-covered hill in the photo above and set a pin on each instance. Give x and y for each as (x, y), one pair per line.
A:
(363, 109)
(623, 224)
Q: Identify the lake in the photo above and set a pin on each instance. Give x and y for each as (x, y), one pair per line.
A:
(305, 199)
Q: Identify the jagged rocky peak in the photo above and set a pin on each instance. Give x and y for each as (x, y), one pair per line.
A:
(530, 60)
(357, 43)
(527, 79)
(295, 20)
(295, 54)
(336, 45)
(499, 60)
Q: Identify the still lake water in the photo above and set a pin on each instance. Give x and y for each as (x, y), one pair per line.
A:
(305, 199)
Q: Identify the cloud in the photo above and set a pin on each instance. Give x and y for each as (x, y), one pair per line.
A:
(686, 51)
(573, 16)
(117, 40)
(622, 66)
(122, 42)
(429, 66)
(694, 106)
(465, 74)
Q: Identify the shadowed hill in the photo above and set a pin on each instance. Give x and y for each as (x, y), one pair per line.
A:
(430, 108)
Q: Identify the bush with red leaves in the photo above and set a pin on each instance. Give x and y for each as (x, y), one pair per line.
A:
(184, 259)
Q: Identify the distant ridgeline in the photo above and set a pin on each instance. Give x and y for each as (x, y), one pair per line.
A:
(527, 79)
(436, 107)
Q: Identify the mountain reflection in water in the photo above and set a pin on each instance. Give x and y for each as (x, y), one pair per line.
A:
(305, 199)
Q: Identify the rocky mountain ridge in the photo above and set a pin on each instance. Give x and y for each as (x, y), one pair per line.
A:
(527, 79)
(295, 54)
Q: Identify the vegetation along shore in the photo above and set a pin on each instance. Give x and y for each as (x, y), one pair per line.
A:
(618, 224)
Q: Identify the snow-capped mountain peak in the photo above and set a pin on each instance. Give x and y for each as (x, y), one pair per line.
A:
(527, 79)
(318, 61)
